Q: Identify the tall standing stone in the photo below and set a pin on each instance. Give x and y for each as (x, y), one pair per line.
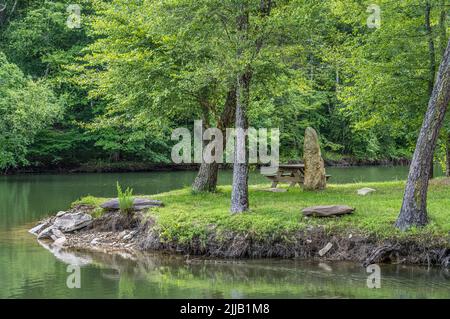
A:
(315, 178)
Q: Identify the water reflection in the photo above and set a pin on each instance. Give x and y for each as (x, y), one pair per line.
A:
(65, 256)
(163, 276)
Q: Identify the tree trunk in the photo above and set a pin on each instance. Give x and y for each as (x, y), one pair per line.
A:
(206, 180)
(239, 195)
(414, 207)
(447, 157)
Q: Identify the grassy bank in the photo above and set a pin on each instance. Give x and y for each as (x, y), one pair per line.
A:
(187, 215)
(189, 219)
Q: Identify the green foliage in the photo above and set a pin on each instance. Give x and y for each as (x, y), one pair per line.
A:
(126, 199)
(26, 107)
(137, 69)
(42, 34)
(177, 68)
(385, 74)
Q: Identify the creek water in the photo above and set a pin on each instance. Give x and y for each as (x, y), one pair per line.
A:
(29, 270)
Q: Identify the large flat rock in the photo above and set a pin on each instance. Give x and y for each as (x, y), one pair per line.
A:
(73, 221)
(138, 204)
(327, 211)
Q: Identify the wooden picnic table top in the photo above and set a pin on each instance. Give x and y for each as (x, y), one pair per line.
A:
(291, 166)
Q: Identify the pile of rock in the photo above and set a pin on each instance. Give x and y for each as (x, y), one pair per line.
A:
(55, 227)
(106, 240)
(76, 227)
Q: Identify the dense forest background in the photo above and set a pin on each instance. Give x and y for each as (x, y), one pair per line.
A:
(111, 86)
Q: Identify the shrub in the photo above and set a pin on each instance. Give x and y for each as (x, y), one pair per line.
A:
(125, 199)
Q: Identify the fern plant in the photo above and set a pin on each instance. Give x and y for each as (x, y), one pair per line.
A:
(125, 199)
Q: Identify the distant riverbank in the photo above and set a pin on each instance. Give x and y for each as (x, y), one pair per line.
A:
(123, 167)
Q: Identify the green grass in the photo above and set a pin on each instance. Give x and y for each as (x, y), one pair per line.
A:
(276, 215)
(91, 201)
(125, 199)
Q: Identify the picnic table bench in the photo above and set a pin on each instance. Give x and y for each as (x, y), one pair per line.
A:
(289, 173)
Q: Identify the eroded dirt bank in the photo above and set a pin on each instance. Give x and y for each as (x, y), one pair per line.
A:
(117, 232)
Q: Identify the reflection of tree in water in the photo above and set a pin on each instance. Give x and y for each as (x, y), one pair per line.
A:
(158, 275)
(21, 277)
(14, 204)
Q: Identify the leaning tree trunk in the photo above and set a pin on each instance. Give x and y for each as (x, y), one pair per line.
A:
(206, 180)
(414, 207)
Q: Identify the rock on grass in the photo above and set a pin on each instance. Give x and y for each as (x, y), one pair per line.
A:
(327, 211)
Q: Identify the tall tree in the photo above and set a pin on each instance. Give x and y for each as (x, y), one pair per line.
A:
(181, 63)
(177, 72)
(414, 207)
(206, 179)
(239, 194)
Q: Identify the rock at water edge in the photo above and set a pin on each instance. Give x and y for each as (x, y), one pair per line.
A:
(37, 229)
(325, 249)
(46, 233)
(70, 222)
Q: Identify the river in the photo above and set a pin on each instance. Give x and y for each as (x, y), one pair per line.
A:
(28, 270)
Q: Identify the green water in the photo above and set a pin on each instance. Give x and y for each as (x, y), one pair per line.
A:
(29, 270)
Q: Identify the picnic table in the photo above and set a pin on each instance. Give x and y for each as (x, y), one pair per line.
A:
(289, 173)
